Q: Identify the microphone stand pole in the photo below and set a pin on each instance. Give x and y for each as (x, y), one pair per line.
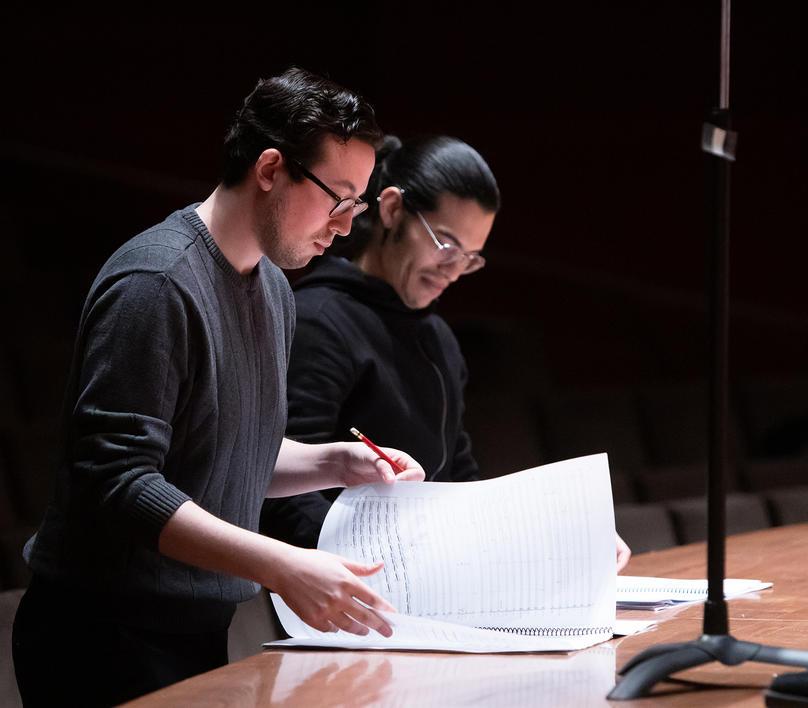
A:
(657, 663)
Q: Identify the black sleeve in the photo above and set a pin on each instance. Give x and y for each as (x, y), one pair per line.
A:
(321, 376)
(296, 520)
(464, 466)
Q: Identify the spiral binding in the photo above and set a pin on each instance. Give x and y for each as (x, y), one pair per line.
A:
(695, 590)
(551, 631)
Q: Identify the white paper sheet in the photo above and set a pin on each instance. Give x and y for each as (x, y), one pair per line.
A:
(624, 627)
(532, 552)
(419, 634)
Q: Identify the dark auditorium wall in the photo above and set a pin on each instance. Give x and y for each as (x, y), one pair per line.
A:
(590, 117)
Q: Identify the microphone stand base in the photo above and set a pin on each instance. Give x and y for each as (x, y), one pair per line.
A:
(657, 663)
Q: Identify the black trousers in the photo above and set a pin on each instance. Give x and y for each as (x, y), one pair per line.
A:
(66, 653)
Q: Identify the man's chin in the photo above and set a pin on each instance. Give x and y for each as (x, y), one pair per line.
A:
(419, 303)
(295, 263)
(289, 261)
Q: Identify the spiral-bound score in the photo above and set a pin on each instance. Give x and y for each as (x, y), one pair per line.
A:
(552, 631)
(522, 562)
(640, 593)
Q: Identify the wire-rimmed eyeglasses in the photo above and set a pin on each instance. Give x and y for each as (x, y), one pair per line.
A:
(450, 254)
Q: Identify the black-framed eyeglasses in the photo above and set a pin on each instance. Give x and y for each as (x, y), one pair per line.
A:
(450, 255)
(343, 204)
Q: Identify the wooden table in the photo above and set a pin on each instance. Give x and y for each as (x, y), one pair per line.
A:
(351, 678)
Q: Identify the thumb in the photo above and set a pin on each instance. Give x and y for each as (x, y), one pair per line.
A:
(362, 569)
(413, 474)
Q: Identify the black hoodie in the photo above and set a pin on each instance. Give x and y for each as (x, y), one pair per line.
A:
(361, 358)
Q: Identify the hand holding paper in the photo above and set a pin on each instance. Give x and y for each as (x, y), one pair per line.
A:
(324, 591)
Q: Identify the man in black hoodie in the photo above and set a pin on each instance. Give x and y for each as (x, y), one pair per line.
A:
(370, 350)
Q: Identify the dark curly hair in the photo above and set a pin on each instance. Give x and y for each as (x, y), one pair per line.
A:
(293, 112)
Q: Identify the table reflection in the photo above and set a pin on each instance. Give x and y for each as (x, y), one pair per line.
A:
(344, 678)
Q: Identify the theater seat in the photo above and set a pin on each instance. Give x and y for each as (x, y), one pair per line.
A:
(745, 512)
(666, 482)
(644, 527)
(788, 505)
(9, 695)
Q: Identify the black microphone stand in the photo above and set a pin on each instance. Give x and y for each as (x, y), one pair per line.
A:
(657, 663)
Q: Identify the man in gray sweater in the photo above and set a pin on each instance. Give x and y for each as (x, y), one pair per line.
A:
(175, 415)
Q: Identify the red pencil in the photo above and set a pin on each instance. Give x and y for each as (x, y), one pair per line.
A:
(397, 467)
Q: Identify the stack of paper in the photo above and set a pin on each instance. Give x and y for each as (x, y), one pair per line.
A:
(639, 593)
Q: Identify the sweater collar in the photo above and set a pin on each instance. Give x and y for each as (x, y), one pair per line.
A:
(248, 280)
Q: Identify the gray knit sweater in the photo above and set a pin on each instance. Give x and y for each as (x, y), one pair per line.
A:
(177, 391)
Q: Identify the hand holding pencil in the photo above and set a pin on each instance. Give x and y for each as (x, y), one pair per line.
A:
(390, 464)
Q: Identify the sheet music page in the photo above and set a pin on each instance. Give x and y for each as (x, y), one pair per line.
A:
(420, 633)
(533, 549)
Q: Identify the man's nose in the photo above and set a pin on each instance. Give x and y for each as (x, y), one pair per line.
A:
(341, 225)
(454, 269)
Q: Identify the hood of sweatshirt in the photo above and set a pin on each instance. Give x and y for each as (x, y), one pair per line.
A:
(343, 275)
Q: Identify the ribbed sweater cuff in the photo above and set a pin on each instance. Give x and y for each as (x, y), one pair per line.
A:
(155, 505)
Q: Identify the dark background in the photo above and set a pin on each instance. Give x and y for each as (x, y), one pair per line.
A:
(589, 116)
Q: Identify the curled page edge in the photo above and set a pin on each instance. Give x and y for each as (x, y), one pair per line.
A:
(420, 633)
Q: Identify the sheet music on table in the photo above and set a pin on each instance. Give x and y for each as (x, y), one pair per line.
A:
(649, 593)
(530, 554)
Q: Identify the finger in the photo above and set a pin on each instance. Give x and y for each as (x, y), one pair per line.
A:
(370, 619)
(364, 594)
(626, 559)
(349, 624)
(406, 463)
(623, 556)
(411, 475)
(322, 625)
(361, 569)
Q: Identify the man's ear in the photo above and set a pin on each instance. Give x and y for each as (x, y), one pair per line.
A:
(266, 168)
(391, 206)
